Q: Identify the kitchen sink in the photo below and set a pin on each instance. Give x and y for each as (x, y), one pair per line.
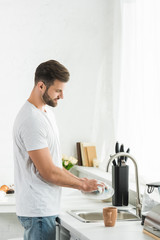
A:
(88, 216)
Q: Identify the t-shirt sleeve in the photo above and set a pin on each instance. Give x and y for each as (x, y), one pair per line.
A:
(34, 135)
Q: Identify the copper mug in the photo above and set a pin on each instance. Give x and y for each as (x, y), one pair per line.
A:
(109, 216)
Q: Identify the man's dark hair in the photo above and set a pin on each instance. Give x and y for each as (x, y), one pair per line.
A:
(49, 71)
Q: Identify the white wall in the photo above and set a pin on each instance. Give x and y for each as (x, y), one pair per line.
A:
(76, 33)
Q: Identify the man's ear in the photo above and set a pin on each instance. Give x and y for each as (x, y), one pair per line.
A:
(41, 85)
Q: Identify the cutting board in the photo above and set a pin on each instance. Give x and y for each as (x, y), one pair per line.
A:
(85, 162)
(91, 154)
(151, 235)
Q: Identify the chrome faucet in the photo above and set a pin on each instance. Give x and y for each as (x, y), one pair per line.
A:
(120, 154)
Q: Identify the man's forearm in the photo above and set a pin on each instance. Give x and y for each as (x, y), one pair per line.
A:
(63, 178)
(68, 172)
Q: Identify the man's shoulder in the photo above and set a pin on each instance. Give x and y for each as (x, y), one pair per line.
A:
(29, 115)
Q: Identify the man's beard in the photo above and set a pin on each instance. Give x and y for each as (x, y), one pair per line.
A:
(49, 101)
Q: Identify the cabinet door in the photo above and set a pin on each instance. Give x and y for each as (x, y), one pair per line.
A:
(64, 234)
(73, 237)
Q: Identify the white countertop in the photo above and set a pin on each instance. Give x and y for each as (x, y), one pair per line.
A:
(8, 204)
(73, 199)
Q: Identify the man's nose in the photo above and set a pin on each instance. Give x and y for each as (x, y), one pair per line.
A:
(61, 95)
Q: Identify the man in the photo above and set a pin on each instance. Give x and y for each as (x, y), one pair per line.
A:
(38, 170)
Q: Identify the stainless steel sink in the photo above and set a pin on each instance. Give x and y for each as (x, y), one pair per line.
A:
(96, 216)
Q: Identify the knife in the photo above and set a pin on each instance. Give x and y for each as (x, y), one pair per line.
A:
(117, 151)
(117, 147)
(128, 150)
(114, 163)
(122, 157)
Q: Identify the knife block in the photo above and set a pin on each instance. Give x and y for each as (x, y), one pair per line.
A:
(120, 175)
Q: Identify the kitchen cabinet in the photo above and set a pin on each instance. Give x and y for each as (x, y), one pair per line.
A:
(10, 226)
(64, 234)
(73, 237)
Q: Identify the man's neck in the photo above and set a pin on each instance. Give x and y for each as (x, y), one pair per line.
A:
(36, 102)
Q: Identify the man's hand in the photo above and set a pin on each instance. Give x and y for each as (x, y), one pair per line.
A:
(90, 185)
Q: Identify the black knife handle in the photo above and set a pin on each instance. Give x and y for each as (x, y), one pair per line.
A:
(122, 150)
(117, 147)
(117, 151)
(114, 162)
(128, 150)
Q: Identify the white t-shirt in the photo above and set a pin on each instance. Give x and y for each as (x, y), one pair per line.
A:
(33, 130)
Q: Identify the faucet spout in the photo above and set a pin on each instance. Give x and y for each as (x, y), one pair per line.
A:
(120, 154)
